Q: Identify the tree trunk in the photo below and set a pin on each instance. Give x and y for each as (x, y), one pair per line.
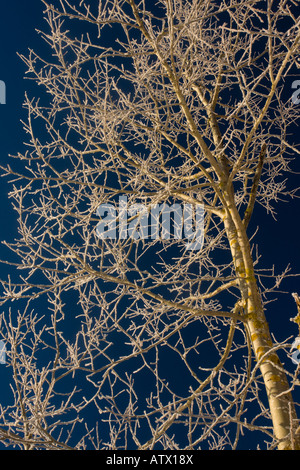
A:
(281, 403)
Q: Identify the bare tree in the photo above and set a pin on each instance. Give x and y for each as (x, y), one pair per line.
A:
(125, 340)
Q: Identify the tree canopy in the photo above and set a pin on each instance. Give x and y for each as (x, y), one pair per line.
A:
(151, 334)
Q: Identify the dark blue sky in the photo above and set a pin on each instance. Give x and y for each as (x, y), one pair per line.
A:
(278, 240)
(18, 21)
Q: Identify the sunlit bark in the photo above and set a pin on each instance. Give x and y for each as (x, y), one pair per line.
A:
(139, 342)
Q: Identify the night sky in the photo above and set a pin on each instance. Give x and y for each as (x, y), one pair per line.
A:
(278, 241)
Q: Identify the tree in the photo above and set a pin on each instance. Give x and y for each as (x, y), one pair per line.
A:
(129, 336)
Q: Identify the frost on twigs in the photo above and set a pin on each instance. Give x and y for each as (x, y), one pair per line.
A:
(132, 339)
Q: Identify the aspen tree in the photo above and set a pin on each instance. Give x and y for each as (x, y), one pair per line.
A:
(133, 342)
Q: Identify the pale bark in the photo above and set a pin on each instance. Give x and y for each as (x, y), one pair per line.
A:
(281, 402)
(183, 104)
